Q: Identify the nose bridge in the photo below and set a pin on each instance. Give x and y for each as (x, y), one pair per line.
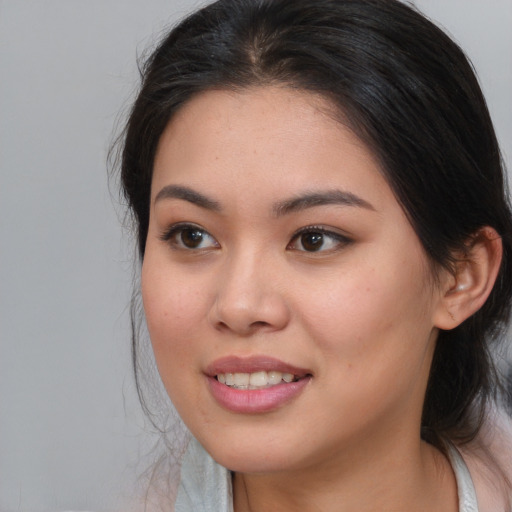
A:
(248, 296)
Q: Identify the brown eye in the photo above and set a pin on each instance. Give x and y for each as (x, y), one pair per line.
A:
(189, 237)
(312, 241)
(318, 239)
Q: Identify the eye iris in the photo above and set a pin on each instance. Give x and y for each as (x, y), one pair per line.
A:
(312, 241)
(191, 238)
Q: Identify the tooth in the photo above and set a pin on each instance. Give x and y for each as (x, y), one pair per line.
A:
(258, 379)
(274, 378)
(241, 379)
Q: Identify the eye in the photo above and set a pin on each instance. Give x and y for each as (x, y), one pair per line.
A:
(189, 237)
(317, 239)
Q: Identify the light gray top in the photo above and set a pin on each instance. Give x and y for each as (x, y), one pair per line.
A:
(465, 487)
(205, 486)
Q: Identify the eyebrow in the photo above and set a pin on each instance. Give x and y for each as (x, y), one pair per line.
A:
(295, 204)
(320, 198)
(187, 194)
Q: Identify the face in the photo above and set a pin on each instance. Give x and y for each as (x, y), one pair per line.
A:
(288, 299)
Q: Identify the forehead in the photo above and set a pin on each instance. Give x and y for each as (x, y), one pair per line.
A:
(270, 138)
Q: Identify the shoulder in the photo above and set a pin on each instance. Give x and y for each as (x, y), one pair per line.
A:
(489, 460)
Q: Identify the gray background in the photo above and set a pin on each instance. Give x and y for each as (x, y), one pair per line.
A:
(71, 432)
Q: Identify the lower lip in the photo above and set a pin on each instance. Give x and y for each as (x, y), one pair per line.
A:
(255, 401)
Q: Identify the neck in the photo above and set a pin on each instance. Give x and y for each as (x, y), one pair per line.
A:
(398, 478)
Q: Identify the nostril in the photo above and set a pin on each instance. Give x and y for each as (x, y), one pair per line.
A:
(258, 324)
(222, 326)
(249, 329)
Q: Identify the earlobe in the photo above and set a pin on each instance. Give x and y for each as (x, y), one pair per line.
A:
(468, 287)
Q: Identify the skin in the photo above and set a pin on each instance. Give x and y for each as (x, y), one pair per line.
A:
(361, 314)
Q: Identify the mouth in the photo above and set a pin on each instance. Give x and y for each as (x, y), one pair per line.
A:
(256, 384)
(256, 380)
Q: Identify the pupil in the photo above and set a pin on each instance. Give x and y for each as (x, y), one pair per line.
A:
(312, 241)
(191, 238)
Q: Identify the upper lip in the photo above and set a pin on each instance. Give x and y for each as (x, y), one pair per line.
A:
(252, 364)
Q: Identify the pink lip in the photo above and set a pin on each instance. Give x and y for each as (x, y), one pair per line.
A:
(254, 401)
(233, 364)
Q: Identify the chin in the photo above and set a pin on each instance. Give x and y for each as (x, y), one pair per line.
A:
(250, 457)
(253, 465)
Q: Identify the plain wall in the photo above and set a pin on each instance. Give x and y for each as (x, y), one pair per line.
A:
(71, 430)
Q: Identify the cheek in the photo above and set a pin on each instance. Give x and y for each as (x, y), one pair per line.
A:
(174, 311)
(361, 314)
(170, 296)
(174, 308)
(374, 338)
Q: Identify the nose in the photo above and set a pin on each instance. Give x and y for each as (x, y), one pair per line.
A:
(250, 297)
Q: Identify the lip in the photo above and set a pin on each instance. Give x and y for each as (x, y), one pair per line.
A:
(234, 364)
(255, 401)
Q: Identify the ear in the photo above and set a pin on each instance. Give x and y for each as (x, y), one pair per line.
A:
(464, 291)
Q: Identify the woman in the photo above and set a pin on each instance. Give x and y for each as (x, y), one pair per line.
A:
(326, 257)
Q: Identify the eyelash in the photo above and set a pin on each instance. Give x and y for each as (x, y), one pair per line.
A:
(339, 239)
(170, 236)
